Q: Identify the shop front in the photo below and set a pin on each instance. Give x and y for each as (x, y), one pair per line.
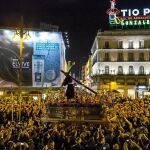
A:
(141, 90)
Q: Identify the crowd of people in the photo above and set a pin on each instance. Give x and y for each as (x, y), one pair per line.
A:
(127, 124)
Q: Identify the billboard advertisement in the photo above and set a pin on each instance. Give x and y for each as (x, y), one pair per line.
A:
(41, 58)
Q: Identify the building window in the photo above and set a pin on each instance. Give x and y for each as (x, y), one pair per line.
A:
(120, 56)
(141, 70)
(106, 44)
(106, 57)
(120, 44)
(141, 56)
(120, 70)
(106, 69)
(131, 70)
(141, 44)
(98, 57)
(94, 60)
(130, 57)
(130, 44)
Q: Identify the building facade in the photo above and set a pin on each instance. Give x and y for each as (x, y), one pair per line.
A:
(121, 61)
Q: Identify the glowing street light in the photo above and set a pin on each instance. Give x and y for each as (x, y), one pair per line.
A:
(23, 35)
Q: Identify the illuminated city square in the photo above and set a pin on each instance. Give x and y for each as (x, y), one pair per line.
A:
(75, 75)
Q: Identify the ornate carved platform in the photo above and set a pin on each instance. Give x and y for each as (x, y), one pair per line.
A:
(75, 111)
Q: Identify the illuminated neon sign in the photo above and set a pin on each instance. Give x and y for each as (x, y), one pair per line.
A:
(112, 12)
(135, 22)
(135, 12)
(129, 17)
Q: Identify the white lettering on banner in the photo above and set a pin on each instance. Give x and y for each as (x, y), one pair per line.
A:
(135, 22)
(135, 12)
(146, 11)
(129, 12)
(16, 64)
(124, 12)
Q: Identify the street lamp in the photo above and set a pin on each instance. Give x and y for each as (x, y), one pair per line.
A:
(22, 34)
(12, 106)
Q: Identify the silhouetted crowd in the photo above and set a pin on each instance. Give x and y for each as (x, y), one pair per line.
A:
(127, 125)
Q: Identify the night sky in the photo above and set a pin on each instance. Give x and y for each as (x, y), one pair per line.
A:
(80, 18)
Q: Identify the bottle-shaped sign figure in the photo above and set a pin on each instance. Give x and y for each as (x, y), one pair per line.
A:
(112, 12)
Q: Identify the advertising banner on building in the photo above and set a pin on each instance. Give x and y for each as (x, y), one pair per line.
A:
(41, 59)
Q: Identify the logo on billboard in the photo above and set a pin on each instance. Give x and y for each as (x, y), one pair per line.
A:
(16, 64)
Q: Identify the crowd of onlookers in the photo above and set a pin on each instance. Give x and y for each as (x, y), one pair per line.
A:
(127, 124)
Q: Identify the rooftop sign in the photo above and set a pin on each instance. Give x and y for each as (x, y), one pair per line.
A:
(128, 17)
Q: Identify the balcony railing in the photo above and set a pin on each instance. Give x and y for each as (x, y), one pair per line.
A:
(118, 60)
(119, 74)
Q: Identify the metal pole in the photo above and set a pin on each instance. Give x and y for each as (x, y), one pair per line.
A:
(20, 71)
(20, 68)
(21, 45)
(39, 99)
(12, 113)
(20, 108)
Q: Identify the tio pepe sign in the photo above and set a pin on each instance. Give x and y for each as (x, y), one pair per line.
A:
(135, 12)
(128, 17)
(134, 17)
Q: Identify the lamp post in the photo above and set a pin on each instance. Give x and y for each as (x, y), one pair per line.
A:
(12, 105)
(22, 34)
(20, 58)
